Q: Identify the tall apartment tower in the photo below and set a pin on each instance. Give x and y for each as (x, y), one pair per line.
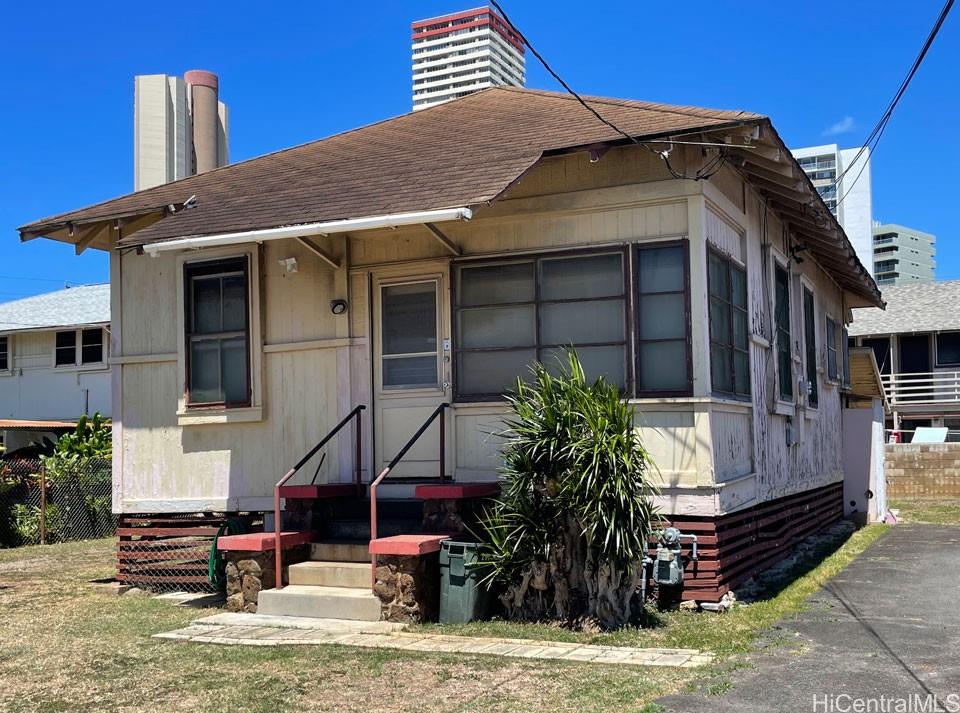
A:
(180, 127)
(454, 55)
(901, 255)
(823, 164)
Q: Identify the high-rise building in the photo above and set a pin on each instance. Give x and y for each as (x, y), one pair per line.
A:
(454, 55)
(901, 255)
(180, 127)
(849, 199)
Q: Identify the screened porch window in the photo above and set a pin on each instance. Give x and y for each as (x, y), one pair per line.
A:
(729, 331)
(513, 313)
(782, 319)
(4, 353)
(217, 334)
(663, 322)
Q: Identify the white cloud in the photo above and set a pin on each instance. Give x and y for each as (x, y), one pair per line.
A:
(844, 126)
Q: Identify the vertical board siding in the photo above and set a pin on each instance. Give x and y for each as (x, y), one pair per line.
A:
(732, 440)
(724, 236)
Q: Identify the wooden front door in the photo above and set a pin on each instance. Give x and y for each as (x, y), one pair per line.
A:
(411, 369)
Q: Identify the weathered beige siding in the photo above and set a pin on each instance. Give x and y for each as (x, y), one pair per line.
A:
(712, 454)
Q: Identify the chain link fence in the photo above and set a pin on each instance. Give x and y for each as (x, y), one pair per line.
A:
(40, 507)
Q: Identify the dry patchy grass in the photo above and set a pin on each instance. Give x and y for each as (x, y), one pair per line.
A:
(66, 647)
(935, 511)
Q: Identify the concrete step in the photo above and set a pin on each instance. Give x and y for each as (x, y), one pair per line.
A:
(355, 575)
(320, 602)
(340, 551)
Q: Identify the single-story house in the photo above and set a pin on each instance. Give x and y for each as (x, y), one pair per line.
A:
(54, 363)
(418, 265)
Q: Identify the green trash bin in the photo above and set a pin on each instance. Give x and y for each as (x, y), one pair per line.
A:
(462, 597)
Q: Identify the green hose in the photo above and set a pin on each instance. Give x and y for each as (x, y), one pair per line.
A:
(216, 572)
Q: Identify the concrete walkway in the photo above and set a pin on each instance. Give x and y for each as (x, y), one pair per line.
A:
(887, 628)
(260, 630)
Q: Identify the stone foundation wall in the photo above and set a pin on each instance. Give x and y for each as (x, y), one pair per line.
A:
(409, 588)
(249, 572)
(928, 470)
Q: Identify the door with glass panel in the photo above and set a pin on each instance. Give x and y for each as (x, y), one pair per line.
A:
(411, 370)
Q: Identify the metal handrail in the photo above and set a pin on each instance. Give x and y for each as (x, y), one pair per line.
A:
(277, 528)
(390, 466)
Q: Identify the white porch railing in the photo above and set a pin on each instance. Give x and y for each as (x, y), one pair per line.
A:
(933, 388)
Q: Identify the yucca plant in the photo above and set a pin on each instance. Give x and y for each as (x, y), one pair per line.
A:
(566, 537)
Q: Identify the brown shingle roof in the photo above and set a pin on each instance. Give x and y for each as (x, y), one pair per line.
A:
(462, 153)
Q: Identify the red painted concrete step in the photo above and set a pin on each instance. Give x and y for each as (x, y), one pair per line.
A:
(456, 491)
(323, 490)
(263, 541)
(407, 544)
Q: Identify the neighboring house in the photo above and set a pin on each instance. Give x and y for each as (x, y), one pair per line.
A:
(917, 346)
(429, 258)
(54, 368)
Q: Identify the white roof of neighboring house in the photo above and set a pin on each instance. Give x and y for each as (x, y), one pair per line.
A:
(923, 307)
(73, 307)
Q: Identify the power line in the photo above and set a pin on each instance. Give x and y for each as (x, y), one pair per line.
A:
(33, 279)
(702, 173)
(877, 133)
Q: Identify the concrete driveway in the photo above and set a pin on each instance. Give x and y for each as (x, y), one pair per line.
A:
(888, 627)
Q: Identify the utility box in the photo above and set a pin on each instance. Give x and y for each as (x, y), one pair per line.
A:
(462, 597)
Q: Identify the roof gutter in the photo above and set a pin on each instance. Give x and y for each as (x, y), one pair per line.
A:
(393, 220)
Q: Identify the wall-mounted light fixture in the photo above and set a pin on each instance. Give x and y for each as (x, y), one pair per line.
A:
(338, 306)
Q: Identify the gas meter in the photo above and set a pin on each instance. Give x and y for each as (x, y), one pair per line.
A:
(668, 564)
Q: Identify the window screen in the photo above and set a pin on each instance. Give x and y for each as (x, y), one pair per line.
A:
(4, 353)
(217, 333)
(511, 314)
(948, 349)
(782, 319)
(663, 324)
(91, 346)
(729, 329)
(810, 344)
(409, 335)
(66, 349)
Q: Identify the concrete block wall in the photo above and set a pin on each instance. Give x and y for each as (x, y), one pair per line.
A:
(929, 470)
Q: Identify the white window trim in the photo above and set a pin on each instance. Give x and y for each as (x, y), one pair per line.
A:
(437, 280)
(781, 406)
(198, 416)
(78, 364)
(807, 285)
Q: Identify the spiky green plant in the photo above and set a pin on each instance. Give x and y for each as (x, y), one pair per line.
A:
(566, 537)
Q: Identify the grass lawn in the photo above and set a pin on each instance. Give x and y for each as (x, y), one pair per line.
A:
(66, 647)
(945, 511)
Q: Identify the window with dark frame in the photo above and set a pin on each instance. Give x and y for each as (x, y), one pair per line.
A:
(833, 336)
(4, 353)
(217, 332)
(845, 343)
(65, 353)
(91, 346)
(782, 319)
(514, 312)
(810, 346)
(948, 348)
(663, 320)
(729, 330)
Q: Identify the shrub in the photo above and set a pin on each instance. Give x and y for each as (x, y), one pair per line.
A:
(566, 537)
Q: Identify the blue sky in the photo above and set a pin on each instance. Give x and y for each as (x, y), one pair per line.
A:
(294, 72)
